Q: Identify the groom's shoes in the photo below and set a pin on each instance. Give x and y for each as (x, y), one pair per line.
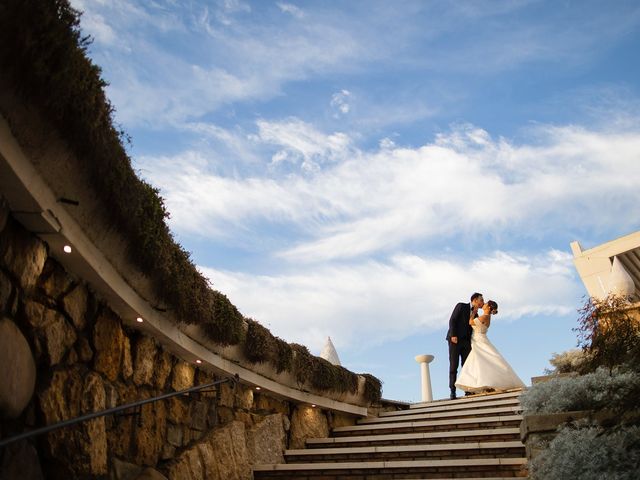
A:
(453, 396)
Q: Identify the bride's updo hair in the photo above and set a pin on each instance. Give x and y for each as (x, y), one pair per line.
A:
(493, 306)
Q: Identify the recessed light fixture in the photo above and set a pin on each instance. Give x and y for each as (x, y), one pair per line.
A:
(313, 405)
(198, 361)
(139, 320)
(67, 249)
(258, 388)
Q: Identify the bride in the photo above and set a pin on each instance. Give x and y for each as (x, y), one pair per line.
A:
(485, 369)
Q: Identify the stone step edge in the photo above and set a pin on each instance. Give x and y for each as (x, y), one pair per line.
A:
(476, 462)
(463, 478)
(454, 407)
(415, 436)
(406, 448)
(469, 399)
(454, 421)
(456, 413)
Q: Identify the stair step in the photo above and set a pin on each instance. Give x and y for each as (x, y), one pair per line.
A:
(409, 452)
(461, 478)
(432, 425)
(442, 415)
(493, 434)
(482, 397)
(496, 467)
(454, 407)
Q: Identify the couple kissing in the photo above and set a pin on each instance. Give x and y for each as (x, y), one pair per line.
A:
(483, 367)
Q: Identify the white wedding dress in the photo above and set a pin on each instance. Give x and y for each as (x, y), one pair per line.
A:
(485, 368)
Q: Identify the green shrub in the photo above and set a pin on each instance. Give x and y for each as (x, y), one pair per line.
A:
(372, 388)
(571, 361)
(589, 453)
(609, 334)
(259, 345)
(302, 364)
(602, 389)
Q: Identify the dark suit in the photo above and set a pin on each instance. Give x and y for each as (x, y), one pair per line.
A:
(458, 327)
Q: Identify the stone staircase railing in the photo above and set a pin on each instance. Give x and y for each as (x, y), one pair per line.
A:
(474, 437)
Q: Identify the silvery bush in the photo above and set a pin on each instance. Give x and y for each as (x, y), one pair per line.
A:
(568, 362)
(593, 391)
(590, 453)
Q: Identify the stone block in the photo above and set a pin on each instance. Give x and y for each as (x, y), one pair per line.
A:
(54, 281)
(199, 412)
(225, 415)
(212, 414)
(6, 293)
(54, 332)
(111, 395)
(22, 253)
(227, 395)
(307, 422)
(94, 431)
(267, 441)
(85, 353)
(150, 433)
(150, 474)
(222, 454)
(164, 363)
(337, 419)
(121, 470)
(174, 435)
(82, 449)
(4, 212)
(72, 357)
(109, 342)
(168, 452)
(19, 461)
(182, 377)
(127, 364)
(144, 360)
(75, 304)
(177, 410)
(266, 404)
(188, 466)
(244, 397)
(17, 370)
(243, 417)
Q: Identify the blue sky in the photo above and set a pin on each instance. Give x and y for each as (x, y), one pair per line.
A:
(354, 169)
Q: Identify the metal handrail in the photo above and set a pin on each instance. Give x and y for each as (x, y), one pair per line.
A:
(110, 411)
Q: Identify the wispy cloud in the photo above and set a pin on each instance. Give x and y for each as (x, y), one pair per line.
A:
(340, 102)
(300, 142)
(392, 299)
(156, 84)
(291, 9)
(354, 202)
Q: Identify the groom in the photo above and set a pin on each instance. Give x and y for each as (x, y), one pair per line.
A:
(459, 336)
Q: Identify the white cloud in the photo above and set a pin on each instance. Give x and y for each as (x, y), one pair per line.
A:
(340, 102)
(303, 143)
(291, 9)
(373, 302)
(153, 84)
(465, 183)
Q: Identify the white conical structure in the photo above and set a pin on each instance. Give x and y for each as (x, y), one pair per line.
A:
(620, 282)
(329, 353)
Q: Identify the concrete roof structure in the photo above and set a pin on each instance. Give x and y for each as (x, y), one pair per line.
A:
(599, 270)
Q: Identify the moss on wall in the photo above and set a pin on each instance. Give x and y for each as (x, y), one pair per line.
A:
(43, 57)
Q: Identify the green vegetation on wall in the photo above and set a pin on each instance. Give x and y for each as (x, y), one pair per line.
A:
(43, 58)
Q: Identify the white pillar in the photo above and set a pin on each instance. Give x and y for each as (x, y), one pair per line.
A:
(424, 361)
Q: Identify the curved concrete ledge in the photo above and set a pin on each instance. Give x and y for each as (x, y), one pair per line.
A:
(36, 207)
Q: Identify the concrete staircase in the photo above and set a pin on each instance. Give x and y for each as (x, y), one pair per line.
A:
(471, 438)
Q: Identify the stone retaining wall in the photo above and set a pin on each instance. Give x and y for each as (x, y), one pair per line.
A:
(64, 353)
